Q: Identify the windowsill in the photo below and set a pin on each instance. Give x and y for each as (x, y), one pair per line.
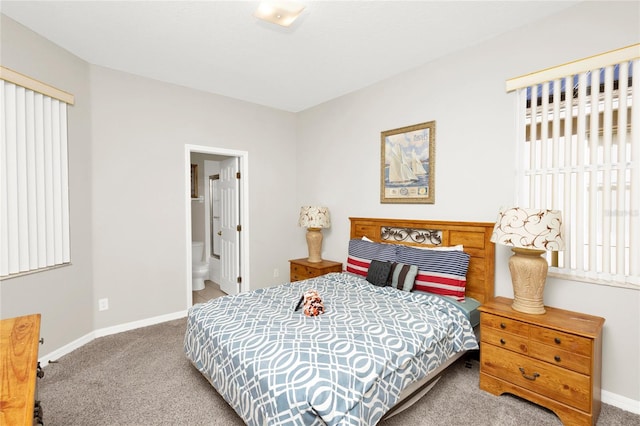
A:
(559, 275)
(34, 271)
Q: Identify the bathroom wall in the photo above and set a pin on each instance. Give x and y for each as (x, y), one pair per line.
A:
(200, 222)
(198, 206)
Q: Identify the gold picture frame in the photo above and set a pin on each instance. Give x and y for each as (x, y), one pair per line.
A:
(407, 165)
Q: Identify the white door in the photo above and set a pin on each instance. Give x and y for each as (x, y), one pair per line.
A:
(229, 184)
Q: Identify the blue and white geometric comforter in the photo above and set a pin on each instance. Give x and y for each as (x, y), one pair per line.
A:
(276, 366)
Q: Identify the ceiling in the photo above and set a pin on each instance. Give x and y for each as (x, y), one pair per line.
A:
(334, 48)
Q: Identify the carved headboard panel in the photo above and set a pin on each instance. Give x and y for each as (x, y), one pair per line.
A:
(474, 236)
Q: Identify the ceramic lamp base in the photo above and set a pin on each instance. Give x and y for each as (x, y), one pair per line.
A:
(528, 276)
(314, 244)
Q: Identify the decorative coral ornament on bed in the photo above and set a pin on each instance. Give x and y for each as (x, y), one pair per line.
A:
(313, 305)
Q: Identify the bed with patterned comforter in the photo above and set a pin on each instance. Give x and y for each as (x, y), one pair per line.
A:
(347, 366)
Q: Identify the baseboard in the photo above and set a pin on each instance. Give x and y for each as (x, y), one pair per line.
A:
(622, 402)
(139, 324)
(70, 347)
(53, 356)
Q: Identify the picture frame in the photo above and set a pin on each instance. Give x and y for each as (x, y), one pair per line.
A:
(407, 164)
(194, 181)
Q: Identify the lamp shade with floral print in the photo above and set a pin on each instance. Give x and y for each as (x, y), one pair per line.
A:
(538, 229)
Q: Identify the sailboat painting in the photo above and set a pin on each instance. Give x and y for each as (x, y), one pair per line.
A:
(408, 164)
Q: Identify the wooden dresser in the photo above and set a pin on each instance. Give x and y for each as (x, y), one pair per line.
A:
(553, 359)
(302, 269)
(19, 340)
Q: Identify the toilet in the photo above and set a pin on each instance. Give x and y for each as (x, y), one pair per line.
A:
(199, 268)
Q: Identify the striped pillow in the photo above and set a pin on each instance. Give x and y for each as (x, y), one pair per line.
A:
(402, 276)
(362, 252)
(439, 272)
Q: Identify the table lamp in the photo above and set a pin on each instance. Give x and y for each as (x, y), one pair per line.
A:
(314, 218)
(530, 232)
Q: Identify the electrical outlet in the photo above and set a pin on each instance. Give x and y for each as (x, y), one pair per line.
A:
(103, 304)
(276, 273)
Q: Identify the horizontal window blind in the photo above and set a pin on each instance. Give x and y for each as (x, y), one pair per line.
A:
(580, 153)
(34, 202)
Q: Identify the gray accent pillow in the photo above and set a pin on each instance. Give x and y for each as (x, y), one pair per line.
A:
(378, 272)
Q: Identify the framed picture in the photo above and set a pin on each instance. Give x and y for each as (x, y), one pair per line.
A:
(194, 181)
(407, 166)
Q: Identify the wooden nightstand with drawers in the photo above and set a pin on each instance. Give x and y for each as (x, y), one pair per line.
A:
(553, 359)
(302, 269)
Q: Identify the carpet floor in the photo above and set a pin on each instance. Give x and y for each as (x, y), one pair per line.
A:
(142, 377)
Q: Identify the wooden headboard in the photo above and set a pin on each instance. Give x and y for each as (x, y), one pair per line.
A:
(474, 236)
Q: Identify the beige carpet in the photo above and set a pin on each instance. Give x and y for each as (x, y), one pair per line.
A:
(141, 377)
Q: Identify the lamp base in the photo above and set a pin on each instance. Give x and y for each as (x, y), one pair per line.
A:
(314, 244)
(528, 276)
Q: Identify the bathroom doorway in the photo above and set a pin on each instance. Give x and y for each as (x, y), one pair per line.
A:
(228, 254)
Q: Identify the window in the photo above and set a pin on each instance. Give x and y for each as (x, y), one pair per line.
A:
(579, 152)
(34, 201)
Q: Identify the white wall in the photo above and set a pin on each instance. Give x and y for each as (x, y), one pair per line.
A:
(63, 296)
(139, 129)
(339, 161)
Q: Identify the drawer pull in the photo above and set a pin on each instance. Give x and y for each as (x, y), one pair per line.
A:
(524, 374)
(502, 342)
(557, 340)
(503, 325)
(557, 358)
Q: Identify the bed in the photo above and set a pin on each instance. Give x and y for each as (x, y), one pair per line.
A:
(374, 351)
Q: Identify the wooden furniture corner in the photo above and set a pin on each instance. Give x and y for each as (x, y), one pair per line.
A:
(302, 269)
(19, 340)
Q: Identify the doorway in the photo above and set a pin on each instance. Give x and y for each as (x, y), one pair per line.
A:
(235, 258)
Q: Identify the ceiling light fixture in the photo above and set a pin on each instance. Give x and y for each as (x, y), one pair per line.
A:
(279, 12)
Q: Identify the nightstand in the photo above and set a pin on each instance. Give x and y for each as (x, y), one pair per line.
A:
(302, 269)
(553, 359)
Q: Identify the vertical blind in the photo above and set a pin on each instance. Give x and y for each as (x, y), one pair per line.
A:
(34, 200)
(579, 152)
